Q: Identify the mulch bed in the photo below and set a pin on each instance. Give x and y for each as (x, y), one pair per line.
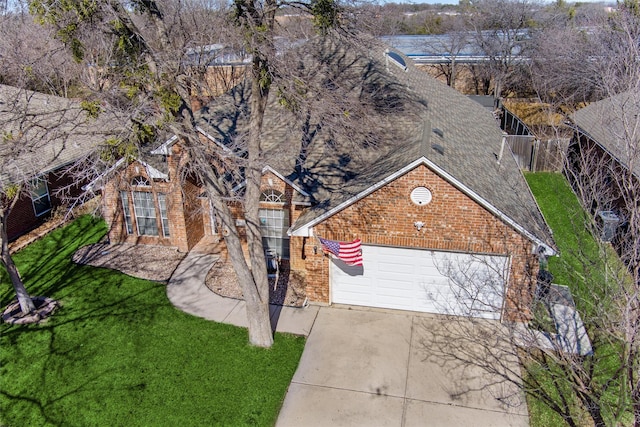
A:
(159, 262)
(143, 261)
(44, 308)
(285, 287)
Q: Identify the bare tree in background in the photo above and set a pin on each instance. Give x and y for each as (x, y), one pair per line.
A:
(451, 45)
(32, 59)
(500, 30)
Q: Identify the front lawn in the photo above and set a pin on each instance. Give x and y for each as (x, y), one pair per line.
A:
(117, 353)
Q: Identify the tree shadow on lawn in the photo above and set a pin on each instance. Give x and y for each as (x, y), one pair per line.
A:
(45, 264)
(118, 353)
(96, 304)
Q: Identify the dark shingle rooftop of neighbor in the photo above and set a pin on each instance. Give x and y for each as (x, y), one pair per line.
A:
(613, 124)
(426, 119)
(41, 133)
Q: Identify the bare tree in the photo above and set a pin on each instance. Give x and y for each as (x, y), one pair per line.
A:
(597, 382)
(500, 29)
(450, 46)
(40, 133)
(143, 66)
(32, 59)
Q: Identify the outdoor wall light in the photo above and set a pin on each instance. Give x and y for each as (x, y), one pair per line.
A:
(418, 225)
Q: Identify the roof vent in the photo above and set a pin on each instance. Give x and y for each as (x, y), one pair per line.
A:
(439, 148)
(396, 58)
(438, 132)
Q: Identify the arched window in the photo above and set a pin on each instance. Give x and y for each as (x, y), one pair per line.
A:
(140, 181)
(272, 196)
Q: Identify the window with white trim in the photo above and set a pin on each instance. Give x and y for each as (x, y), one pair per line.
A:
(162, 204)
(40, 196)
(272, 196)
(140, 181)
(145, 211)
(274, 224)
(124, 198)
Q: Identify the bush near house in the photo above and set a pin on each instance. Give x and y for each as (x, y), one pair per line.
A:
(117, 353)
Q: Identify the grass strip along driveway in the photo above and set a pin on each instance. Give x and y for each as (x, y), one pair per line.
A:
(117, 353)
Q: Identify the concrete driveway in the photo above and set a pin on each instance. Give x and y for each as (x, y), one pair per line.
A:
(368, 367)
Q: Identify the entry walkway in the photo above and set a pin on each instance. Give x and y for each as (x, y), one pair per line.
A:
(187, 291)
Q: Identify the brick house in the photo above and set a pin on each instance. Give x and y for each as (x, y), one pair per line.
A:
(446, 219)
(43, 136)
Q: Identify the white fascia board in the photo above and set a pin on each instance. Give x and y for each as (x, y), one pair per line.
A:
(211, 138)
(164, 149)
(153, 172)
(90, 186)
(279, 175)
(304, 230)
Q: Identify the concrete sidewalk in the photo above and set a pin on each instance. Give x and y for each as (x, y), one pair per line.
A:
(187, 291)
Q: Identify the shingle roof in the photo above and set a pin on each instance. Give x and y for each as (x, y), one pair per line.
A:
(41, 133)
(613, 124)
(416, 114)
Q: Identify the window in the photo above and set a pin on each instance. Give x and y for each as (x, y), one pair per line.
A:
(145, 210)
(140, 181)
(272, 196)
(40, 196)
(162, 204)
(124, 197)
(274, 224)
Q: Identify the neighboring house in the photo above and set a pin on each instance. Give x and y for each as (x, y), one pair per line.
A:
(446, 219)
(603, 160)
(42, 136)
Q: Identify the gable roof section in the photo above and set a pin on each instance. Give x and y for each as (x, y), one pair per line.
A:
(415, 119)
(458, 139)
(52, 132)
(613, 123)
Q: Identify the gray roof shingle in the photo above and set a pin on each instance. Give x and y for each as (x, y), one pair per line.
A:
(613, 124)
(412, 112)
(41, 133)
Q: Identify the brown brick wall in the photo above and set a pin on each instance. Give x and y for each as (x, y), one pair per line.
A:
(23, 218)
(113, 213)
(453, 222)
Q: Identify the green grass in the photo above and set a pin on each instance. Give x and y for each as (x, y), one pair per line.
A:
(583, 265)
(564, 214)
(117, 353)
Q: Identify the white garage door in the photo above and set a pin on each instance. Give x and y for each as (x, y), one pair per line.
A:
(422, 280)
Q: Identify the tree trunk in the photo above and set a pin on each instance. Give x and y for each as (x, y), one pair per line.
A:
(26, 304)
(257, 306)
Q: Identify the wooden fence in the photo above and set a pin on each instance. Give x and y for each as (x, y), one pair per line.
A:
(535, 155)
(531, 153)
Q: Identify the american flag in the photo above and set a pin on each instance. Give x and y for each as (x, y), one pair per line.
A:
(350, 253)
